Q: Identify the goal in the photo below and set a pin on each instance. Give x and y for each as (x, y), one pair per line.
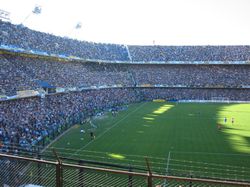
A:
(220, 99)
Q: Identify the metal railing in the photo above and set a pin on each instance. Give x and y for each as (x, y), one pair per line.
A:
(21, 171)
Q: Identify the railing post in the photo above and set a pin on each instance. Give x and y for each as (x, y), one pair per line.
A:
(59, 174)
(80, 176)
(59, 177)
(39, 169)
(150, 181)
(190, 183)
(130, 178)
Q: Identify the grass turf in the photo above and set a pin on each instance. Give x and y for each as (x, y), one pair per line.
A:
(178, 139)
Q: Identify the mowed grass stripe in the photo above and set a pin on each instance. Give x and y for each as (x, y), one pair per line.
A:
(188, 130)
(74, 140)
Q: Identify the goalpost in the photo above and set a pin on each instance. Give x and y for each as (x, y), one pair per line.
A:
(220, 99)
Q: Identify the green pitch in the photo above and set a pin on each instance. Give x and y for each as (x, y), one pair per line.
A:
(179, 139)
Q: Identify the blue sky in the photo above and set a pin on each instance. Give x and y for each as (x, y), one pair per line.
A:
(167, 22)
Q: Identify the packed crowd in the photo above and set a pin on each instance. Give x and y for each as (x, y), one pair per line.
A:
(223, 76)
(25, 38)
(13, 77)
(25, 122)
(190, 53)
(24, 73)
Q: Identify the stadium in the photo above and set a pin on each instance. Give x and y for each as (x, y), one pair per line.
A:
(78, 113)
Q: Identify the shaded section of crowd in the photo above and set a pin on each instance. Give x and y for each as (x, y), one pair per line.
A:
(23, 73)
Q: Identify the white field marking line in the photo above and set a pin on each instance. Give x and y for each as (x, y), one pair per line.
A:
(209, 153)
(58, 137)
(102, 152)
(104, 132)
(165, 182)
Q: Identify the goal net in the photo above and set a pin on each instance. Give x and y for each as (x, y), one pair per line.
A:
(220, 99)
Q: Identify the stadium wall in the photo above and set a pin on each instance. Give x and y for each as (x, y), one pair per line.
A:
(149, 93)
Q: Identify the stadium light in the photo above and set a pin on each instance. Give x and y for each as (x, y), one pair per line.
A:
(74, 30)
(78, 25)
(37, 10)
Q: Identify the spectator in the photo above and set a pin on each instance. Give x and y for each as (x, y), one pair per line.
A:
(23, 73)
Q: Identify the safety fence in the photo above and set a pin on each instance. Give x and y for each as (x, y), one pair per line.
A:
(24, 171)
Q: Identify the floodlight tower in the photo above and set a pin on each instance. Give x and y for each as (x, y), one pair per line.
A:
(77, 27)
(37, 10)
